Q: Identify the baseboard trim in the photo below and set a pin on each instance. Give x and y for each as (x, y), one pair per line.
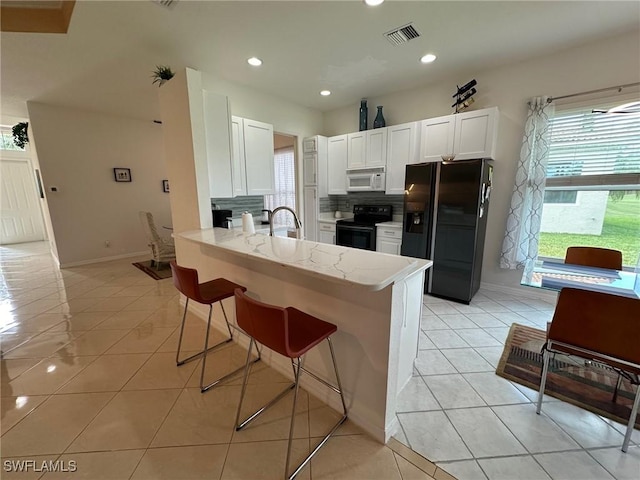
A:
(102, 259)
(528, 292)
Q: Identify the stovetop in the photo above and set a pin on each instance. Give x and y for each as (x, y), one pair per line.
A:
(368, 215)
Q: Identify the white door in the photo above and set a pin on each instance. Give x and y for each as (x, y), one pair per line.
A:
(238, 173)
(401, 151)
(309, 169)
(476, 134)
(21, 220)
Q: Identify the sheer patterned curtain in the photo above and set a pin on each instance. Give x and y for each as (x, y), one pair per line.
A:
(520, 242)
(285, 173)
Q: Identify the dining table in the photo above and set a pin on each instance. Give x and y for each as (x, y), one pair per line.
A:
(554, 276)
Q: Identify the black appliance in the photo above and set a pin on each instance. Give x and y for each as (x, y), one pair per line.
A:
(360, 231)
(220, 217)
(445, 219)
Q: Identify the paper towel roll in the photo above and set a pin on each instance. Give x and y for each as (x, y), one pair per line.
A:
(247, 223)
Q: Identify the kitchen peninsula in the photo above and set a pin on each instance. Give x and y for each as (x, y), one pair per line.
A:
(374, 299)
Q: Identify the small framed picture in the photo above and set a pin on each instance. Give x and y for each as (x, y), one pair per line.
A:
(165, 186)
(122, 174)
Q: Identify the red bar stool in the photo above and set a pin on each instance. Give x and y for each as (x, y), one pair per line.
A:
(292, 333)
(208, 293)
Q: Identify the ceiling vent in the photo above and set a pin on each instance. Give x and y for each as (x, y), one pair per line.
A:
(403, 34)
(165, 3)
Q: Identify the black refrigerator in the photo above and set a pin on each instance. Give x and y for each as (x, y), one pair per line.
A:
(445, 219)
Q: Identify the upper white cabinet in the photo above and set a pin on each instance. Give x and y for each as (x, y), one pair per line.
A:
(476, 134)
(259, 160)
(436, 138)
(238, 164)
(465, 135)
(402, 150)
(252, 160)
(376, 155)
(367, 149)
(337, 165)
(217, 129)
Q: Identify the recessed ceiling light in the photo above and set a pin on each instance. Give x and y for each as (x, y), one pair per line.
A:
(254, 61)
(373, 3)
(428, 58)
(325, 93)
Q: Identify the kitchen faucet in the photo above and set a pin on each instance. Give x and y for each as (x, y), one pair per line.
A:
(296, 221)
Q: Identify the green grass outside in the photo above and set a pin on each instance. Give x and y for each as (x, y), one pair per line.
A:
(621, 231)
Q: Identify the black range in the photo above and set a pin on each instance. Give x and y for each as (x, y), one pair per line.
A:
(360, 231)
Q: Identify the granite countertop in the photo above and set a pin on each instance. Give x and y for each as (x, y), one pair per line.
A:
(371, 270)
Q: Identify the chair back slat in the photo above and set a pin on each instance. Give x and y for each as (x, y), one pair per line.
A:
(186, 281)
(594, 257)
(267, 324)
(604, 323)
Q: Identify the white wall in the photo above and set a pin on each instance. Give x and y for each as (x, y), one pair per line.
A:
(586, 215)
(605, 63)
(77, 151)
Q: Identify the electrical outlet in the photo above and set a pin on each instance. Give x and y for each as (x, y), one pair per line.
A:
(107, 243)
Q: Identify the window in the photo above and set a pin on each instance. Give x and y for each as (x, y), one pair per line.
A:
(285, 172)
(6, 140)
(592, 194)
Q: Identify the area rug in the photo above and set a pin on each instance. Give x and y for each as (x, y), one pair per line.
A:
(164, 271)
(588, 385)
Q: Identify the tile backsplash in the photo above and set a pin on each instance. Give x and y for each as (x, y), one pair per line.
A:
(252, 204)
(345, 203)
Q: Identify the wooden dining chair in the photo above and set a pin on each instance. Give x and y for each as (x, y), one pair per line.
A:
(594, 257)
(600, 327)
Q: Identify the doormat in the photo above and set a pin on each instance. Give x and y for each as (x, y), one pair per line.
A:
(589, 385)
(163, 272)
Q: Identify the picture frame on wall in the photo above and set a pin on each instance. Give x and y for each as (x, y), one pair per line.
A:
(165, 186)
(122, 174)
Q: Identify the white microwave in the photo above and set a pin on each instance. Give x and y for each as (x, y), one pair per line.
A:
(366, 180)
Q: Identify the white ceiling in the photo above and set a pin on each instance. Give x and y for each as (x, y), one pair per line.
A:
(106, 59)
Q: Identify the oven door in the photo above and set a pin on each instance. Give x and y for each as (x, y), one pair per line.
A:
(356, 236)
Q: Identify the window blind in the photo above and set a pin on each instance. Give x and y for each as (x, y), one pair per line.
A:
(285, 173)
(594, 149)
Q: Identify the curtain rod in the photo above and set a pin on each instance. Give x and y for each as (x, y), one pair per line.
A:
(617, 87)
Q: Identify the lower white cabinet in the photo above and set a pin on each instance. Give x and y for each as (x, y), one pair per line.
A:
(389, 239)
(327, 232)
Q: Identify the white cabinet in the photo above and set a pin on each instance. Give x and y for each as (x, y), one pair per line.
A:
(376, 154)
(476, 134)
(356, 150)
(402, 150)
(311, 211)
(436, 138)
(327, 232)
(238, 165)
(217, 133)
(337, 165)
(258, 152)
(314, 163)
(389, 239)
(248, 168)
(367, 149)
(465, 135)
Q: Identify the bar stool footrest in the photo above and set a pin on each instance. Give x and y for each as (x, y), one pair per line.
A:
(179, 363)
(272, 402)
(225, 377)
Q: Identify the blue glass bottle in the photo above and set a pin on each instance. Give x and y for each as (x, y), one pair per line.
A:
(379, 120)
(364, 115)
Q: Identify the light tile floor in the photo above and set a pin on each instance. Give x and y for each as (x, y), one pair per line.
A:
(476, 425)
(88, 375)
